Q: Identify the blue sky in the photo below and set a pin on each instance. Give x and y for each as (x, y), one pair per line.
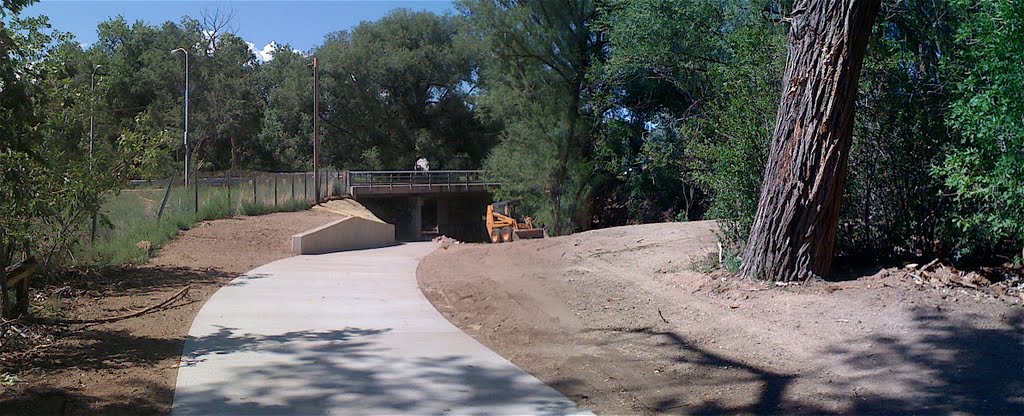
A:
(302, 24)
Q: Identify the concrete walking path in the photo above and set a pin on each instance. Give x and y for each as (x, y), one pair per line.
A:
(344, 333)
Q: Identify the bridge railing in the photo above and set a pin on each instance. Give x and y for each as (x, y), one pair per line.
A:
(410, 179)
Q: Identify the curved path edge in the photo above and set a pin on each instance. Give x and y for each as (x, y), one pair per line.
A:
(344, 333)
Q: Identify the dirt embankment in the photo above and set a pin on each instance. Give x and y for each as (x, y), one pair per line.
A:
(129, 367)
(615, 320)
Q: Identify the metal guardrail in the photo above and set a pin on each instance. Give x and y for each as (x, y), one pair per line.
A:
(410, 179)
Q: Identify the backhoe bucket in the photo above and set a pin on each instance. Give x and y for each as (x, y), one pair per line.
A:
(531, 233)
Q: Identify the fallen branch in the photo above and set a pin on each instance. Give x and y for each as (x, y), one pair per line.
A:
(662, 316)
(22, 270)
(46, 321)
(929, 265)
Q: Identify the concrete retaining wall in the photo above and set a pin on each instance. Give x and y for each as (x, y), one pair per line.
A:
(351, 233)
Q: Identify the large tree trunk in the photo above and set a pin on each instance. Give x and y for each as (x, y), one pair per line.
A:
(794, 231)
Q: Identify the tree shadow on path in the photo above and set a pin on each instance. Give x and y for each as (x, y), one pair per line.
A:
(345, 371)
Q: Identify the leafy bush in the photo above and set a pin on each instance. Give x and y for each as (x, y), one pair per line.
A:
(892, 204)
(731, 140)
(985, 169)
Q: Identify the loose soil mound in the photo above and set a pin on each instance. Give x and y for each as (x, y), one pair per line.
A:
(347, 207)
(129, 367)
(616, 320)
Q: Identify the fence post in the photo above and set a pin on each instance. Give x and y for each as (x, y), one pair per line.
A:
(195, 185)
(275, 189)
(228, 183)
(163, 203)
(305, 187)
(292, 176)
(254, 188)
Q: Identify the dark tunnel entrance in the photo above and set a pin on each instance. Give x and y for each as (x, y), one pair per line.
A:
(422, 217)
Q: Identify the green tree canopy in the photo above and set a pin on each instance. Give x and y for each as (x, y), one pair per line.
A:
(399, 89)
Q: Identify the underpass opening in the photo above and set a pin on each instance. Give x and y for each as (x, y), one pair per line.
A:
(420, 217)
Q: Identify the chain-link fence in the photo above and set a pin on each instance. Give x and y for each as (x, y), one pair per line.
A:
(150, 212)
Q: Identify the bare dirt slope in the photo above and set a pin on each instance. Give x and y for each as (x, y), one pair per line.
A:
(129, 367)
(614, 319)
(348, 207)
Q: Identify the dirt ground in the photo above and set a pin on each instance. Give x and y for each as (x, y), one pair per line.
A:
(129, 367)
(616, 320)
(347, 207)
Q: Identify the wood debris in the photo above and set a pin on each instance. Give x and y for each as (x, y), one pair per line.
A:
(1006, 284)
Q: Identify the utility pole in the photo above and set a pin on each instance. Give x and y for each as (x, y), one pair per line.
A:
(186, 112)
(316, 132)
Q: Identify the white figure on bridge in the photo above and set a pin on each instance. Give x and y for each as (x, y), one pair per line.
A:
(422, 164)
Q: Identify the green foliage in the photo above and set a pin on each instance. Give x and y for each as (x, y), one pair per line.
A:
(253, 208)
(534, 83)
(131, 225)
(732, 137)
(50, 182)
(53, 306)
(286, 128)
(732, 262)
(652, 78)
(985, 169)
(261, 208)
(892, 203)
(697, 84)
(591, 113)
(124, 248)
(705, 264)
(699, 81)
(398, 89)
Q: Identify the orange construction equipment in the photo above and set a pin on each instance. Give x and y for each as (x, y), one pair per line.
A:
(503, 225)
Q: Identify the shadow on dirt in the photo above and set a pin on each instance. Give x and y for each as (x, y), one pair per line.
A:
(94, 350)
(320, 372)
(108, 369)
(956, 367)
(128, 280)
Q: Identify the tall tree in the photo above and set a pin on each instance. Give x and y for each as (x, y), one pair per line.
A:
(229, 105)
(398, 89)
(535, 82)
(794, 230)
(284, 86)
(49, 180)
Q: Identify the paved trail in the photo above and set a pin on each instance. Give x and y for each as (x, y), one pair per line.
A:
(344, 333)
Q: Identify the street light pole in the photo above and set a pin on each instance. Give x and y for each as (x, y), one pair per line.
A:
(185, 52)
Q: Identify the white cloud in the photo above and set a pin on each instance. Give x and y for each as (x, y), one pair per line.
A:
(263, 55)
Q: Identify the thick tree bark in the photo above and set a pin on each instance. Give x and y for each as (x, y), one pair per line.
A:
(794, 230)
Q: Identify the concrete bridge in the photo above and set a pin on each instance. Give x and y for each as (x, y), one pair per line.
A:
(449, 202)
